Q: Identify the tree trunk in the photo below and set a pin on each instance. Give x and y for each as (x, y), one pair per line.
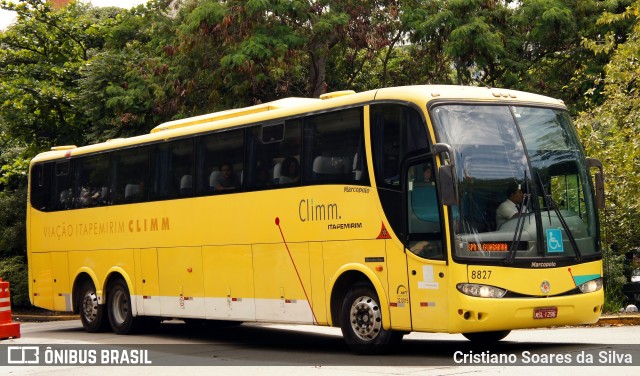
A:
(317, 84)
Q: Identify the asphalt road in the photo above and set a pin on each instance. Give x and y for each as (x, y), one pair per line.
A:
(260, 349)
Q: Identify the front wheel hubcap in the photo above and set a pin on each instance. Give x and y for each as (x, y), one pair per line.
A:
(366, 320)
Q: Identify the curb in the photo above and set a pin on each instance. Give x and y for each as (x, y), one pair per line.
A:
(43, 318)
(618, 320)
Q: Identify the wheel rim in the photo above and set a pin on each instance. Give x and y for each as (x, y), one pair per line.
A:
(366, 320)
(90, 306)
(120, 307)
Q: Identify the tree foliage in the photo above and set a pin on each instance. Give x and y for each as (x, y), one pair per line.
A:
(14, 270)
(610, 131)
(40, 63)
(124, 88)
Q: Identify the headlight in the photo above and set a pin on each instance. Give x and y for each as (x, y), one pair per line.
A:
(591, 286)
(481, 291)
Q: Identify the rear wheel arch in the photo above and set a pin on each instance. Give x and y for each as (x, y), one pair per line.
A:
(80, 280)
(114, 274)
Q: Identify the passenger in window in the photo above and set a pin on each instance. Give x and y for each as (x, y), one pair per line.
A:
(262, 178)
(227, 179)
(290, 172)
(89, 197)
(66, 198)
(427, 173)
(103, 196)
(84, 197)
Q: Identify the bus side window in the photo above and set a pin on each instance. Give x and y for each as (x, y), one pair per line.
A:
(63, 188)
(92, 177)
(172, 161)
(130, 180)
(274, 159)
(397, 131)
(41, 187)
(334, 142)
(220, 164)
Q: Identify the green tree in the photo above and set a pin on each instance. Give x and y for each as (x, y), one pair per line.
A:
(125, 88)
(609, 131)
(534, 45)
(368, 55)
(14, 270)
(268, 47)
(263, 50)
(13, 257)
(13, 223)
(546, 53)
(40, 60)
(245, 51)
(464, 34)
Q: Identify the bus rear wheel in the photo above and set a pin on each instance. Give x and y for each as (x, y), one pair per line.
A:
(361, 322)
(91, 313)
(119, 308)
(487, 337)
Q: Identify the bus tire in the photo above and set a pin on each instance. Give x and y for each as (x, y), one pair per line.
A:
(487, 337)
(119, 308)
(91, 313)
(361, 322)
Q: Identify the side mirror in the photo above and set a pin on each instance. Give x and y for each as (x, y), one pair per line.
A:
(447, 174)
(599, 177)
(447, 185)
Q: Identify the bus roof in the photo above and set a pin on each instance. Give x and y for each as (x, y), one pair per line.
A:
(234, 113)
(293, 106)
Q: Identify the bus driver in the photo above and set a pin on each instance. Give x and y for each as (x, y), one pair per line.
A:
(510, 208)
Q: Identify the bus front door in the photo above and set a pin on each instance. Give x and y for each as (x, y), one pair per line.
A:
(425, 250)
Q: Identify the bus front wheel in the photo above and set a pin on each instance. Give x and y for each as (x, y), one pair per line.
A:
(91, 313)
(361, 322)
(119, 308)
(487, 337)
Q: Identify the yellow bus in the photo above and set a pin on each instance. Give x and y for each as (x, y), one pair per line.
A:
(424, 208)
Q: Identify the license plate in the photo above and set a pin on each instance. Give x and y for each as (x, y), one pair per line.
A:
(545, 313)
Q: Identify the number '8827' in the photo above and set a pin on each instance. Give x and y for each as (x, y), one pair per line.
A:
(480, 274)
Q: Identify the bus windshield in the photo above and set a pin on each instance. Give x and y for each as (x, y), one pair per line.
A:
(523, 184)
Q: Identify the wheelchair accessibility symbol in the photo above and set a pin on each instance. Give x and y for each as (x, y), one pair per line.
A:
(554, 241)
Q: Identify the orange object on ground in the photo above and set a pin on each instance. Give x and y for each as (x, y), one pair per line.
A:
(8, 329)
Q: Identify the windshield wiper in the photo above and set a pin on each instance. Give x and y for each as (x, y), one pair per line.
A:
(517, 235)
(551, 203)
